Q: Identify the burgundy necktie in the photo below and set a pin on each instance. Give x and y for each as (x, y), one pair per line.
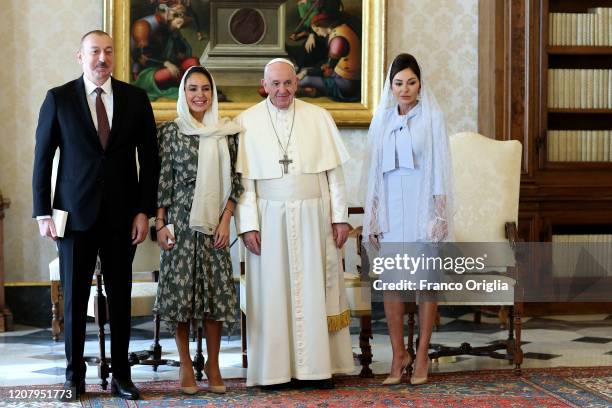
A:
(103, 126)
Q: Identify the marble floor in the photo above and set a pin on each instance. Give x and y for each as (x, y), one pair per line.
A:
(28, 355)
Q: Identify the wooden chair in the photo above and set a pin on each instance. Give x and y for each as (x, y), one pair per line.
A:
(486, 181)
(358, 294)
(142, 299)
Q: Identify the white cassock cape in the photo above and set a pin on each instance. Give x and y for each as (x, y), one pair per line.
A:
(297, 313)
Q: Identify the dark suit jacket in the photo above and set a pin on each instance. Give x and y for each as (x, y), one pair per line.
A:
(89, 177)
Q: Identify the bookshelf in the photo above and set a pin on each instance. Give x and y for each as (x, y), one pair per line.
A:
(576, 55)
(566, 132)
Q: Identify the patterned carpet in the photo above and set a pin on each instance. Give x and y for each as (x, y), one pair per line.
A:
(550, 387)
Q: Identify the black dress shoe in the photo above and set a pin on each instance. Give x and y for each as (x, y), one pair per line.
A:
(277, 387)
(327, 384)
(124, 389)
(74, 389)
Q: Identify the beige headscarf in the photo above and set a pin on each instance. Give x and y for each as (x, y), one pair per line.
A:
(213, 180)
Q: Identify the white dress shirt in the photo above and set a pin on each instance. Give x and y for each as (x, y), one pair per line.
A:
(107, 99)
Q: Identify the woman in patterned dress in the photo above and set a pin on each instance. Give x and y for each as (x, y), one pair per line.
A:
(198, 189)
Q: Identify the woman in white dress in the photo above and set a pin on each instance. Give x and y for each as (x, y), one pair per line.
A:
(408, 197)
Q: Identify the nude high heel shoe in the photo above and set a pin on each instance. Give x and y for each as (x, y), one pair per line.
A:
(421, 380)
(396, 380)
(217, 389)
(191, 389)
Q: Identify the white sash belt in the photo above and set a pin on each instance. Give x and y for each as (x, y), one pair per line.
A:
(289, 188)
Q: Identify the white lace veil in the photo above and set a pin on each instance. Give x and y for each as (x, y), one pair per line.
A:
(434, 211)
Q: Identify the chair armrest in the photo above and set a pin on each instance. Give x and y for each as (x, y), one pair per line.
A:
(355, 232)
(355, 210)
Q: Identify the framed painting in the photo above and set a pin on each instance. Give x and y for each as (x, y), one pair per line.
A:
(336, 45)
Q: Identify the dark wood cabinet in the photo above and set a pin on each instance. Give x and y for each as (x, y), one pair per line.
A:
(559, 197)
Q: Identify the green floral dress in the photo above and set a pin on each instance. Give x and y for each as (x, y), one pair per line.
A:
(195, 279)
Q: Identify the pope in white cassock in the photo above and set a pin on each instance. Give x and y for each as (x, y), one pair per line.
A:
(293, 221)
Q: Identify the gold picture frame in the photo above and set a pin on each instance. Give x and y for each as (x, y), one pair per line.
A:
(346, 114)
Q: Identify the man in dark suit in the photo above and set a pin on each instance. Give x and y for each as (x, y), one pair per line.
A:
(98, 123)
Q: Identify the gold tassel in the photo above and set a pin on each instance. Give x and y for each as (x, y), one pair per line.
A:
(340, 321)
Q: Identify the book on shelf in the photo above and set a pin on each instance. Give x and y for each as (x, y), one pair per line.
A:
(557, 84)
(590, 89)
(605, 85)
(577, 88)
(569, 87)
(577, 149)
(583, 33)
(603, 88)
(562, 146)
(567, 29)
(584, 145)
(584, 93)
(606, 25)
(593, 28)
(568, 143)
(551, 146)
(610, 89)
(553, 29)
(580, 88)
(590, 29)
(596, 89)
(579, 145)
(573, 37)
(600, 135)
(566, 101)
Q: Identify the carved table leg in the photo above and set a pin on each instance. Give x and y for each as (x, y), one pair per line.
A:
(366, 349)
(243, 339)
(101, 318)
(156, 348)
(198, 359)
(518, 352)
(55, 310)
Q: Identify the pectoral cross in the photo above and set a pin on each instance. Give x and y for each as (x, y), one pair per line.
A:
(285, 161)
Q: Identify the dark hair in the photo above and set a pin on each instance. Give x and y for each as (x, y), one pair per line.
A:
(94, 32)
(403, 61)
(198, 70)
